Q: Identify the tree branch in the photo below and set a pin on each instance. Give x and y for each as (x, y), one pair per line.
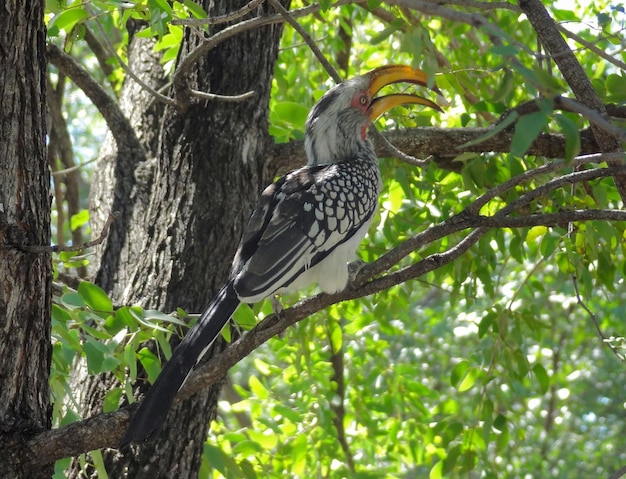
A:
(106, 430)
(308, 40)
(574, 75)
(74, 247)
(116, 121)
(591, 47)
(441, 144)
(185, 66)
(228, 17)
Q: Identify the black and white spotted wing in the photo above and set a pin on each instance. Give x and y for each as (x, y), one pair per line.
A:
(300, 220)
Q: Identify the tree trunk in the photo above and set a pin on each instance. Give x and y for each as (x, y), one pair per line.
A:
(25, 272)
(186, 210)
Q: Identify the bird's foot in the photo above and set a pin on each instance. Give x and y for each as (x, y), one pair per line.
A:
(277, 307)
(353, 270)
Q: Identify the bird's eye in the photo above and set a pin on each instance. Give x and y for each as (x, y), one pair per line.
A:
(363, 100)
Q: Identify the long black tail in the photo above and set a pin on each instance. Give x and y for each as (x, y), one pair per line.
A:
(153, 409)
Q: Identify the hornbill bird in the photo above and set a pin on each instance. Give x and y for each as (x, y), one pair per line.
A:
(306, 227)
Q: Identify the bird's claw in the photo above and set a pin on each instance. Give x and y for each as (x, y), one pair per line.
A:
(277, 307)
(354, 268)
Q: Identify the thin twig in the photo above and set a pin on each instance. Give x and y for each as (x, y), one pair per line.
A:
(592, 47)
(594, 319)
(592, 115)
(127, 69)
(227, 98)
(56, 248)
(309, 41)
(227, 17)
(550, 219)
(498, 190)
(243, 26)
(480, 5)
(395, 152)
(73, 168)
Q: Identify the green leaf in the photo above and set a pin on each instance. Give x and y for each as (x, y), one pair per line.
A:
(258, 388)
(152, 315)
(534, 233)
(516, 248)
(325, 5)
(288, 413)
(504, 50)
(60, 314)
(67, 19)
(572, 136)
(73, 300)
(261, 366)
(542, 377)
(501, 424)
(564, 15)
(112, 399)
(549, 244)
(527, 129)
(95, 297)
(458, 373)
(79, 219)
(616, 87)
(126, 315)
(150, 363)
(291, 112)
(437, 471)
(474, 174)
(98, 462)
(244, 317)
(486, 321)
(94, 353)
(501, 126)
(195, 9)
(469, 380)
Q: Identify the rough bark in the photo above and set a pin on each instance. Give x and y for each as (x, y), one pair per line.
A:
(185, 204)
(24, 221)
(125, 171)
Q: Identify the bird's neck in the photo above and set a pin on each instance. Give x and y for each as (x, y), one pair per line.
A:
(325, 152)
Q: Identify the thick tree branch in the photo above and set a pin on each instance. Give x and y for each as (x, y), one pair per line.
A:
(440, 143)
(574, 75)
(107, 105)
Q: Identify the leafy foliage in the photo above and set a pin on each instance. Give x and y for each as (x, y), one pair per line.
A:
(475, 370)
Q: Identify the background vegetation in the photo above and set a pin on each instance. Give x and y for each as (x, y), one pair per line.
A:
(491, 346)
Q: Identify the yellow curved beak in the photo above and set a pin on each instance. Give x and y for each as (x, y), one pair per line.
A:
(383, 76)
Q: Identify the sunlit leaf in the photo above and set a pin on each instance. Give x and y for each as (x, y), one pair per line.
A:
(67, 19)
(94, 296)
(150, 363)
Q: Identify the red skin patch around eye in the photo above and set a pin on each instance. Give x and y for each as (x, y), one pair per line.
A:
(357, 103)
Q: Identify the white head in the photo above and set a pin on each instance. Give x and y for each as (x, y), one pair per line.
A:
(336, 128)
